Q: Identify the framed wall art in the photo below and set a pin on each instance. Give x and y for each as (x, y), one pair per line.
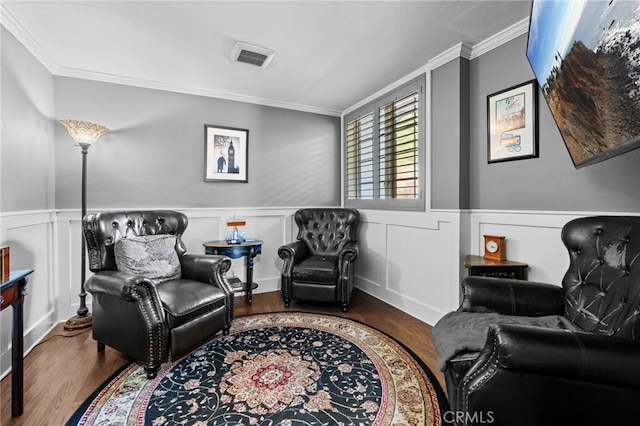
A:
(226, 154)
(512, 123)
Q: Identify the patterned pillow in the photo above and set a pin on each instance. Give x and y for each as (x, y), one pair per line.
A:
(151, 256)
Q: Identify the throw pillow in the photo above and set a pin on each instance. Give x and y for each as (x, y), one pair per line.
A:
(151, 256)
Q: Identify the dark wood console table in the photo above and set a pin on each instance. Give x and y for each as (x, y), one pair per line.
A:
(248, 249)
(478, 265)
(12, 294)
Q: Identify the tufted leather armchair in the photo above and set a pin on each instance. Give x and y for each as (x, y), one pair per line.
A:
(528, 375)
(319, 265)
(153, 322)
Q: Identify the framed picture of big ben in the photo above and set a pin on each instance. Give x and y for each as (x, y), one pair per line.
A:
(226, 154)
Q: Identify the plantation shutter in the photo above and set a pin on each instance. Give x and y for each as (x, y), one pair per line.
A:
(360, 171)
(384, 151)
(398, 175)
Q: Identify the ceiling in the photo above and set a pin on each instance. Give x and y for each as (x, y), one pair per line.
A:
(329, 54)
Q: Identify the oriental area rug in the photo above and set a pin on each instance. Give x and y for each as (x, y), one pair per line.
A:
(277, 369)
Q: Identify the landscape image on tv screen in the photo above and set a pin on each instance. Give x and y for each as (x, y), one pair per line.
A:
(586, 58)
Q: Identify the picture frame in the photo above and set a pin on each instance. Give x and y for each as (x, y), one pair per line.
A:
(512, 123)
(226, 154)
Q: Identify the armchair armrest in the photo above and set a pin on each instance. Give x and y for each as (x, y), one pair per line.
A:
(122, 285)
(135, 304)
(210, 269)
(296, 250)
(346, 257)
(349, 252)
(562, 354)
(292, 253)
(511, 297)
(207, 269)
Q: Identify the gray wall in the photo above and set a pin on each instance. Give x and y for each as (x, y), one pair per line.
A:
(450, 135)
(26, 145)
(549, 182)
(153, 156)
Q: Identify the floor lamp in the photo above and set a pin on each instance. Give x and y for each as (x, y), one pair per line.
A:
(85, 134)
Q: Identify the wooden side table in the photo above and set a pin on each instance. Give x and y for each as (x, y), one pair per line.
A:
(248, 249)
(478, 265)
(12, 294)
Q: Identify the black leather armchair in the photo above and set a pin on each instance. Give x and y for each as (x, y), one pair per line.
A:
(587, 374)
(144, 319)
(319, 265)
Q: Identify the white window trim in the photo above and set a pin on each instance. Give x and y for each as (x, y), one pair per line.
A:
(419, 204)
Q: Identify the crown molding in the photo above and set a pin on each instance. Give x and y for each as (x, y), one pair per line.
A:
(465, 51)
(504, 36)
(460, 50)
(149, 84)
(8, 21)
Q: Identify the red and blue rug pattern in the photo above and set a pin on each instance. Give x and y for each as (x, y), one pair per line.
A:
(284, 369)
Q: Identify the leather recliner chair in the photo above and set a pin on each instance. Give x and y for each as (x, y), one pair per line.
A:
(588, 374)
(319, 265)
(140, 317)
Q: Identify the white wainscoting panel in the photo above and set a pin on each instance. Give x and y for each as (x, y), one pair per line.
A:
(411, 261)
(370, 265)
(410, 256)
(30, 237)
(68, 255)
(200, 230)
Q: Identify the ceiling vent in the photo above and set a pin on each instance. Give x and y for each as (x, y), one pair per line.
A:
(251, 54)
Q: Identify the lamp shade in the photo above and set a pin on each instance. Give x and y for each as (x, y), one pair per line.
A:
(83, 132)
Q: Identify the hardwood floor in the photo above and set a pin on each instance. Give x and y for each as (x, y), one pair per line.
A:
(63, 370)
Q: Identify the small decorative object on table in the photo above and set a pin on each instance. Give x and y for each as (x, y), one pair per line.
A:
(5, 264)
(233, 236)
(495, 247)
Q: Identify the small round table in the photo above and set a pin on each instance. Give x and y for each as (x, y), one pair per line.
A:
(248, 249)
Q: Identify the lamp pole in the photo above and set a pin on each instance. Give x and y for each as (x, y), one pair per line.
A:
(83, 310)
(84, 133)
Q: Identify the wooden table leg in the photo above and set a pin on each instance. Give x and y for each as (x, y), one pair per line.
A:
(249, 283)
(17, 361)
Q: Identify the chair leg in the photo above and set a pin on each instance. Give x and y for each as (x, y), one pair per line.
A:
(225, 331)
(152, 370)
(287, 303)
(345, 306)
(100, 346)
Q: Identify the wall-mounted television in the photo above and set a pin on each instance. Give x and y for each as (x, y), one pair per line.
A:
(586, 58)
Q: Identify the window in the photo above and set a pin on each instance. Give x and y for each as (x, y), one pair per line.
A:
(384, 151)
